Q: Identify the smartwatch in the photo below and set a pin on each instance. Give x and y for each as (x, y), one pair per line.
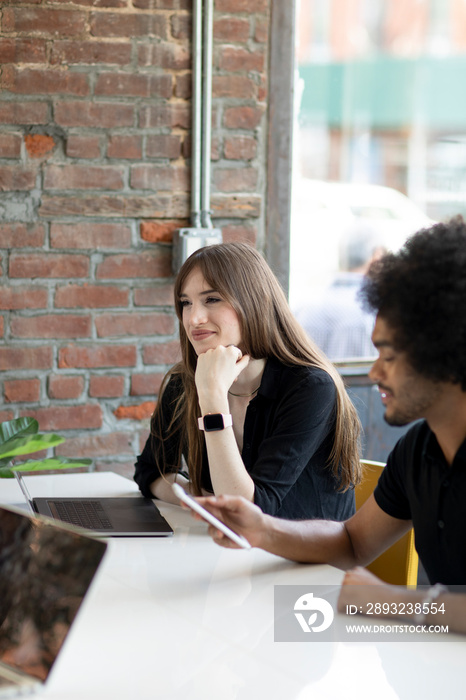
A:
(215, 421)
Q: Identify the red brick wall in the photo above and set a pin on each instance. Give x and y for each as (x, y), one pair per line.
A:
(95, 120)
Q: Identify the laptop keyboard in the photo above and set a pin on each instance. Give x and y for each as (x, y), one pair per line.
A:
(89, 514)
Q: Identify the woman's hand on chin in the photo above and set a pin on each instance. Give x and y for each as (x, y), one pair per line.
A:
(216, 371)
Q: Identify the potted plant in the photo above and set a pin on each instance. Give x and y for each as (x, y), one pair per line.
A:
(20, 437)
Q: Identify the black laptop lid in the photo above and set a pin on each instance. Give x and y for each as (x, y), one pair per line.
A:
(45, 572)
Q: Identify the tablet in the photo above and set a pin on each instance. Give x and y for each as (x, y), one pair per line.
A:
(192, 503)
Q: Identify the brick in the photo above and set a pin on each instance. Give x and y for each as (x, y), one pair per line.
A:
(21, 235)
(180, 26)
(49, 265)
(244, 234)
(65, 386)
(10, 145)
(128, 24)
(74, 356)
(232, 29)
(30, 81)
(86, 417)
(163, 146)
(133, 324)
(186, 146)
(136, 206)
(83, 146)
(44, 21)
(39, 145)
(125, 469)
(137, 265)
(8, 415)
(162, 4)
(162, 353)
(90, 297)
(141, 411)
(24, 113)
(63, 177)
(167, 55)
(240, 148)
(161, 295)
(157, 177)
(236, 206)
(99, 3)
(92, 236)
(90, 52)
(236, 179)
(17, 178)
(263, 88)
(236, 86)
(261, 30)
(160, 231)
(125, 84)
(120, 146)
(215, 149)
(248, 6)
(22, 51)
(143, 436)
(51, 326)
(106, 387)
(131, 85)
(97, 445)
(183, 87)
(234, 58)
(26, 358)
(21, 390)
(16, 298)
(243, 117)
(102, 115)
(2, 326)
(177, 115)
(144, 384)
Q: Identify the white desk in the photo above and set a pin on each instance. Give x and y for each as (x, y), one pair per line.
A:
(181, 619)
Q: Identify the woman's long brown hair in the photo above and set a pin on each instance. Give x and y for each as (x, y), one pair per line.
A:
(268, 329)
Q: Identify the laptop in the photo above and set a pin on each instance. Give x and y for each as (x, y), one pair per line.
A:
(46, 570)
(105, 517)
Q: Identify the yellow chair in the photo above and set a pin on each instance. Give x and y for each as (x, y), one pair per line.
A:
(399, 563)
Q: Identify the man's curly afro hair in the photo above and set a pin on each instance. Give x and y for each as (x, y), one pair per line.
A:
(420, 291)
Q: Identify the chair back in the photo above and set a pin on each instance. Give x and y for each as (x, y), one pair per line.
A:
(399, 563)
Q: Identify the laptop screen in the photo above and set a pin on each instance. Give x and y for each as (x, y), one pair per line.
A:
(45, 572)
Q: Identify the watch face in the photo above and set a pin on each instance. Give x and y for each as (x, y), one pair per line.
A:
(213, 421)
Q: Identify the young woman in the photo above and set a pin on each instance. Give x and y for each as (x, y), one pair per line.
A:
(253, 408)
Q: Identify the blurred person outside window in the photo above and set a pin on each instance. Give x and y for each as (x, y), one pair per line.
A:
(335, 321)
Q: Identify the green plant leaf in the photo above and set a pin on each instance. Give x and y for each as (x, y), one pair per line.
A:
(19, 426)
(50, 463)
(16, 446)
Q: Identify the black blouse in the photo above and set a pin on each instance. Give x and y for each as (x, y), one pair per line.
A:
(287, 439)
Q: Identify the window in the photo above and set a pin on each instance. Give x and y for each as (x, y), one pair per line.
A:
(379, 148)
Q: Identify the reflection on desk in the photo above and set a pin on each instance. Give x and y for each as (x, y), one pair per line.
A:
(183, 619)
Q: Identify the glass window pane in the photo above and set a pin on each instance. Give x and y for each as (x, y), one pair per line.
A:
(379, 148)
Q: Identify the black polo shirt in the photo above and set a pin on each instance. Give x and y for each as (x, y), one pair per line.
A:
(287, 440)
(418, 484)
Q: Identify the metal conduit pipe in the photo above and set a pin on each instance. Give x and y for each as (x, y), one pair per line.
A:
(201, 232)
(196, 137)
(206, 113)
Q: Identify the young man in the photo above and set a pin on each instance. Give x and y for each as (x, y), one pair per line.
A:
(419, 296)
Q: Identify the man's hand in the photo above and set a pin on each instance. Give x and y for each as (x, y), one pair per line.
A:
(240, 515)
(360, 587)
